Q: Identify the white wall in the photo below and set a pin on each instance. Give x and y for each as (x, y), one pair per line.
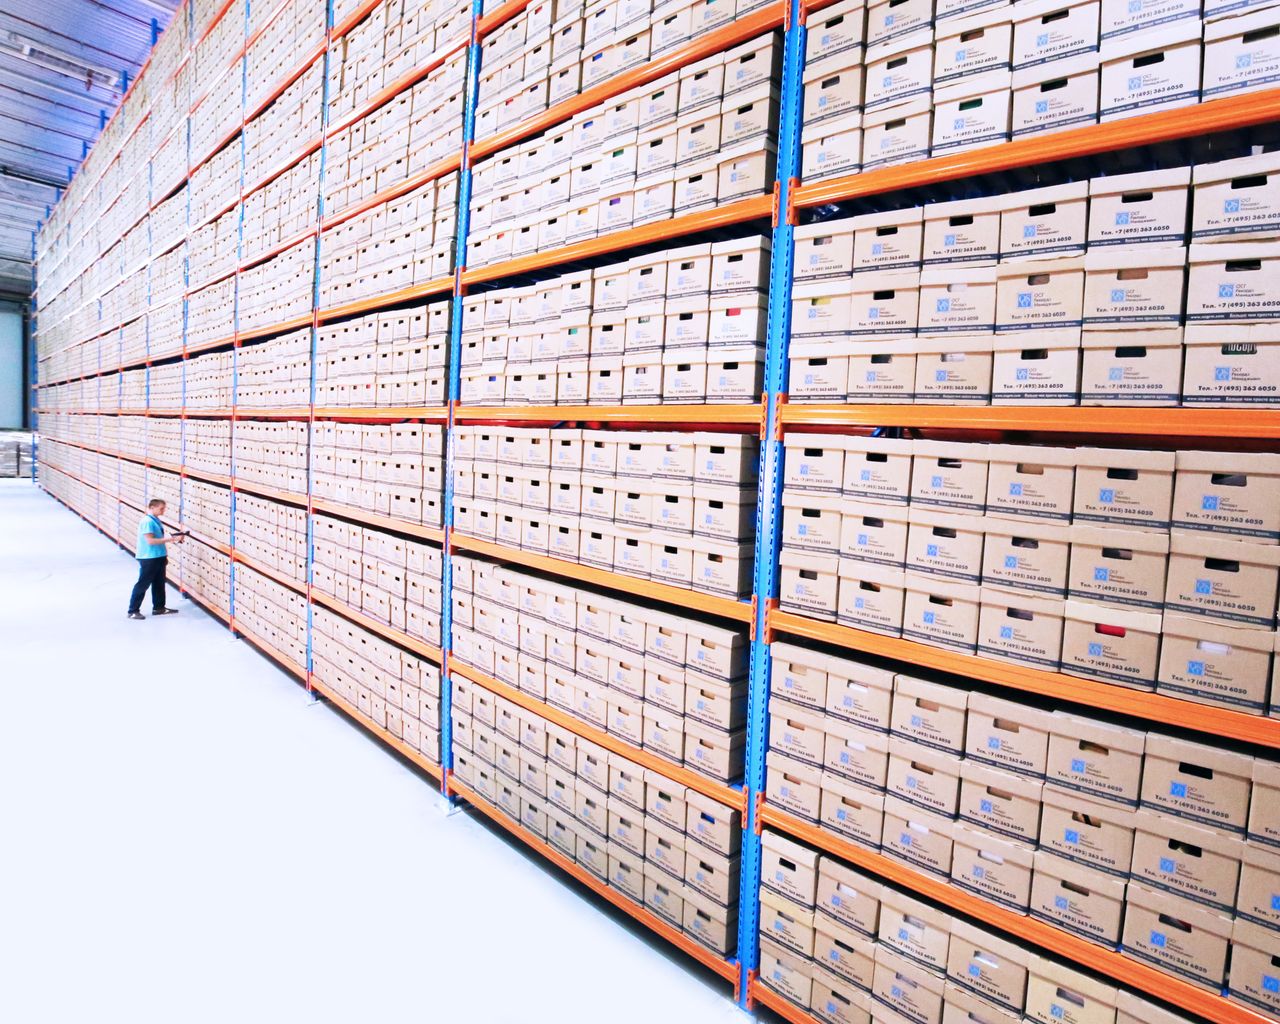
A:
(13, 377)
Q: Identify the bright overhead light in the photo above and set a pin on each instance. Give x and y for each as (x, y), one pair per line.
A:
(58, 61)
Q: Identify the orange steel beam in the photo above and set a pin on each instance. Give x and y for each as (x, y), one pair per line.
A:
(725, 607)
(1168, 422)
(737, 415)
(380, 522)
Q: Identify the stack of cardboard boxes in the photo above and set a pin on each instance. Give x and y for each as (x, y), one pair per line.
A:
(676, 326)
(389, 44)
(667, 848)
(389, 469)
(297, 27)
(1071, 559)
(690, 141)
(269, 453)
(388, 578)
(291, 122)
(405, 242)
(848, 947)
(274, 374)
(396, 141)
(677, 508)
(272, 535)
(1064, 295)
(391, 688)
(1094, 827)
(213, 250)
(283, 210)
(277, 290)
(206, 573)
(206, 510)
(271, 613)
(384, 360)
(670, 684)
(887, 83)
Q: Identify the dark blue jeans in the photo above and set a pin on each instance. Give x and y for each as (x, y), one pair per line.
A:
(150, 574)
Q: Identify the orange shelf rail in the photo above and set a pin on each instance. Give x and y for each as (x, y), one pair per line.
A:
(292, 324)
(274, 653)
(263, 491)
(241, 412)
(362, 11)
(379, 522)
(717, 41)
(386, 736)
(418, 291)
(725, 607)
(728, 415)
(783, 1007)
(496, 19)
(754, 208)
(1153, 707)
(1219, 115)
(1114, 965)
(297, 586)
(725, 968)
(199, 599)
(1168, 422)
(389, 412)
(718, 791)
(387, 632)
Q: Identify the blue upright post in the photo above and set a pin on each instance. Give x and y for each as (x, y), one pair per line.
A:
(455, 388)
(34, 372)
(315, 305)
(770, 497)
(235, 313)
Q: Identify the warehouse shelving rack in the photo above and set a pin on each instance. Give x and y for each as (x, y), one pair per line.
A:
(771, 418)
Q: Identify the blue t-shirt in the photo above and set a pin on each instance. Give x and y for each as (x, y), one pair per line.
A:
(150, 525)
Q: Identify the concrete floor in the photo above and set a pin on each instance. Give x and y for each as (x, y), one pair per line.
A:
(186, 837)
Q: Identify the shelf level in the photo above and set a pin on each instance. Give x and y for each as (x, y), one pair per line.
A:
(783, 1007)
(727, 969)
(395, 743)
(397, 636)
(1168, 422)
(723, 606)
(1152, 707)
(374, 303)
(736, 415)
(717, 791)
(739, 212)
(390, 412)
(1046, 936)
(297, 586)
(276, 655)
(716, 41)
(1219, 115)
(380, 522)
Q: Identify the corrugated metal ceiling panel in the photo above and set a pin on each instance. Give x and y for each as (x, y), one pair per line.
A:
(62, 65)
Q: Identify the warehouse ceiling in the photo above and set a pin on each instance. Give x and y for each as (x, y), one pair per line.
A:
(63, 68)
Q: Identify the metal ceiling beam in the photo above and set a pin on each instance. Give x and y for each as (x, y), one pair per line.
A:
(61, 90)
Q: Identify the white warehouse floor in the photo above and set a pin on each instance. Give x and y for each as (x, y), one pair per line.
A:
(187, 837)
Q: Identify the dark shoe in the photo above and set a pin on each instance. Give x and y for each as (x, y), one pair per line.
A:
(136, 615)
(164, 611)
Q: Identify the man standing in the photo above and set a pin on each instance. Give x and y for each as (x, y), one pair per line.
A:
(153, 560)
